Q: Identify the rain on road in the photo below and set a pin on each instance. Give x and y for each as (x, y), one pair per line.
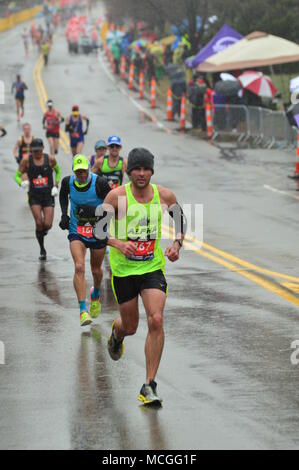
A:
(226, 376)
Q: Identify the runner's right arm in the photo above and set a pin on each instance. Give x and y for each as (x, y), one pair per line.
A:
(16, 148)
(23, 167)
(64, 203)
(4, 132)
(67, 125)
(97, 165)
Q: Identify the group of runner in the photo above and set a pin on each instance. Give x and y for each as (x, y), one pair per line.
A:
(92, 193)
(136, 257)
(89, 201)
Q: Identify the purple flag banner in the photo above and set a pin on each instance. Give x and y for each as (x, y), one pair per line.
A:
(225, 37)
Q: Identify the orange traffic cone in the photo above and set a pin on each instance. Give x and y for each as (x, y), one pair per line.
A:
(141, 85)
(169, 105)
(183, 113)
(123, 67)
(153, 93)
(131, 77)
(209, 121)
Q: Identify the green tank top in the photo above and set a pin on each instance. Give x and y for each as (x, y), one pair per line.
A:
(142, 224)
(114, 174)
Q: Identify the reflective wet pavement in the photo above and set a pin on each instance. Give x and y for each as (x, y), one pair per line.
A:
(226, 376)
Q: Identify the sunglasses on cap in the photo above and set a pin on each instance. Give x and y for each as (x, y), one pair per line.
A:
(114, 146)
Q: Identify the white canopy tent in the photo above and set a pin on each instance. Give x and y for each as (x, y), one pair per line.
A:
(258, 49)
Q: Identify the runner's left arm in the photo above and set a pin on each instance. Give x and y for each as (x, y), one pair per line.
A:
(124, 170)
(87, 124)
(60, 117)
(23, 167)
(180, 222)
(57, 170)
(102, 187)
(64, 203)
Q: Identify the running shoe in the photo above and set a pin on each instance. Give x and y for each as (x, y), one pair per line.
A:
(43, 255)
(115, 347)
(85, 318)
(148, 394)
(95, 306)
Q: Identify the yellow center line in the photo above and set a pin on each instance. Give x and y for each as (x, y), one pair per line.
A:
(235, 259)
(265, 283)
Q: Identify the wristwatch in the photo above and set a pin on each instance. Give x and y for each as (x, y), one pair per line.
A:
(179, 242)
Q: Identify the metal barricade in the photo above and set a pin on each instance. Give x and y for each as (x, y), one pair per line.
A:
(267, 127)
(255, 124)
(231, 119)
(264, 127)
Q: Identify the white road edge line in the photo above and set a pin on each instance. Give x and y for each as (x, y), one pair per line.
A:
(279, 191)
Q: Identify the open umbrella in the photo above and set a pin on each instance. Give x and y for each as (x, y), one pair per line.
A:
(114, 35)
(139, 43)
(227, 87)
(174, 69)
(293, 114)
(227, 76)
(258, 83)
(294, 84)
(168, 40)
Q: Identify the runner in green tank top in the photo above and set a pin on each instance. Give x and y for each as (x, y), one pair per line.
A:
(137, 260)
(112, 166)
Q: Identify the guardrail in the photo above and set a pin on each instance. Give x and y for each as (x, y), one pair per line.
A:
(19, 17)
(261, 126)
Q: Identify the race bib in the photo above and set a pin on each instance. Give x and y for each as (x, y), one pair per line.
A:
(75, 135)
(144, 250)
(40, 182)
(113, 184)
(85, 230)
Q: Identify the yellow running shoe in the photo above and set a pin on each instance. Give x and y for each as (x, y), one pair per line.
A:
(95, 306)
(85, 318)
(148, 394)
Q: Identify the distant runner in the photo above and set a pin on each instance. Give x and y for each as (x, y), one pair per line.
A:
(74, 125)
(41, 189)
(45, 48)
(51, 122)
(25, 37)
(100, 151)
(22, 147)
(19, 86)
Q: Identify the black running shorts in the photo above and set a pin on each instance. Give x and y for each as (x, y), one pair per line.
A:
(41, 201)
(94, 245)
(55, 135)
(129, 287)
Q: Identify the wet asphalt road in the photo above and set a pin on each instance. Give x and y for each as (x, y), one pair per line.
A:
(226, 375)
